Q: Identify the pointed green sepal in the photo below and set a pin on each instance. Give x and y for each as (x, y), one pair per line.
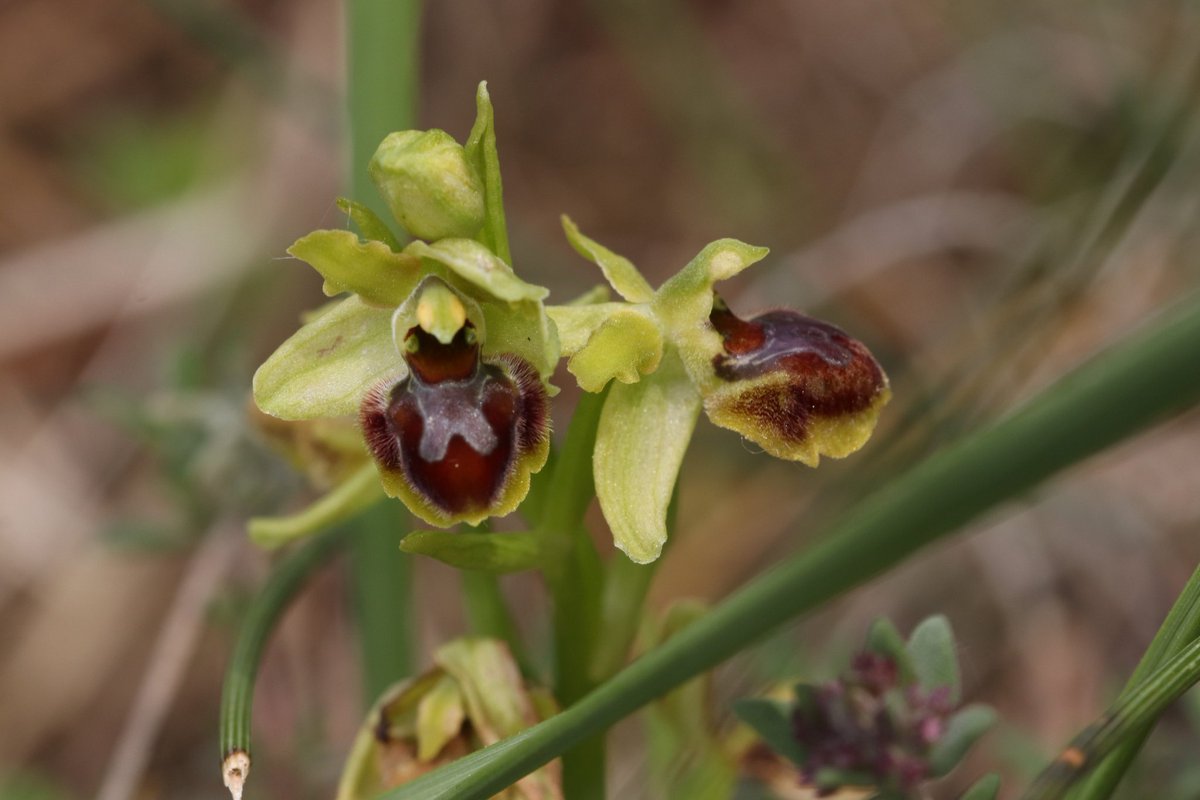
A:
(932, 650)
(485, 159)
(962, 731)
(368, 268)
(328, 366)
(486, 552)
(480, 268)
(619, 271)
(429, 184)
(369, 225)
(643, 433)
(345, 500)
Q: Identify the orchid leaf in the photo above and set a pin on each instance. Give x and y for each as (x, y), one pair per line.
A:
(486, 552)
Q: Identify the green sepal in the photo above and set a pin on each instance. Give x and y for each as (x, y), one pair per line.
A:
(345, 500)
(368, 268)
(328, 366)
(962, 731)
(683, 304)
(619, 271)
(369, 225)
(643, 433)
(429, 184)
(884, 639)
(486, 552)
(772, 720)
(986, 788)
(485, 159)
(497, 703)
(479, 267)
(440, 716)
(935, 663)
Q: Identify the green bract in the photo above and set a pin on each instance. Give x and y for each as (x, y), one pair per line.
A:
(798, 387)
(489, 340)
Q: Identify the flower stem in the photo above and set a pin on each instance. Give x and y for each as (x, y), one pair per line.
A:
(576, 587)
(382, 87)
(237, 695)
(1118, 393)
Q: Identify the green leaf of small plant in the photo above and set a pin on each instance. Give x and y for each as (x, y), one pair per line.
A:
(368, 223)
(619, 271)
(369, 268)
(487, 552)
(931, 648)
(643, 433)
(327, 367)
(963, 730)
(772, 720)
(884, 639)
(986, 788)
(485, 158)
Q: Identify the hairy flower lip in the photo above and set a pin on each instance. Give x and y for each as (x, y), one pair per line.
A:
(454, 429)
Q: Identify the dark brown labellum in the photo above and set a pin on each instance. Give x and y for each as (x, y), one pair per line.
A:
(784, 371)
(456, 425)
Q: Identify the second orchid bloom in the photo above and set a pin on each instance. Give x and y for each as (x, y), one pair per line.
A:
(444, 355)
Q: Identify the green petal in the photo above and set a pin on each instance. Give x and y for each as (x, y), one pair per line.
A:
(483, 156)
(368, 268)
(643, 433)
(479, 267)
(368, 223)
(577, 323)
(626, 346)
(497, 703)
(522, 329)
(684, 303)
(326, 368)
(618, 270)
(963, 730)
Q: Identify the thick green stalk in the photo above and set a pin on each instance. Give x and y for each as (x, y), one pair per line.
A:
(1116, 394)
(382, 597)
(237, 695)
(382, 86)
(1131, 715)
(1181, 626)
(487, 612)
(576, 588)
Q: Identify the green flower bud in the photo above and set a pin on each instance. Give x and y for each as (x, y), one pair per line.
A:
(429, 185)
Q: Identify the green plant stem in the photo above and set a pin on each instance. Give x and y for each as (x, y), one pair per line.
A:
(382, 597)
(382, 87)
(1123, 390)
(487, 612)
(576, 587)
(1134, 712)
(286, 578)
(1181, 626)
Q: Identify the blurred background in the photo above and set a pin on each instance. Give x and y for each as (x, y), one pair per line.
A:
(985, 193)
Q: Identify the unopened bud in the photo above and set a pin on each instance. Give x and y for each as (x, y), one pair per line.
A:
(427, 182)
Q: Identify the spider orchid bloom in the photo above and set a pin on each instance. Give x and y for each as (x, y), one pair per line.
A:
(440, 350)
(798, 387)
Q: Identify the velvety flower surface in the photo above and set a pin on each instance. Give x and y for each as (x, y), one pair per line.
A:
(440, 350)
